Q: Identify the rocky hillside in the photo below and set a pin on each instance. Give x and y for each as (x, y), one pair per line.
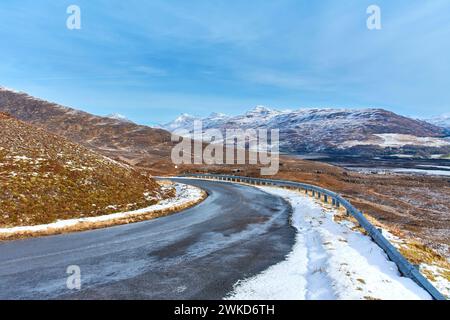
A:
(341, 131)
(111, 136)
(44, 178)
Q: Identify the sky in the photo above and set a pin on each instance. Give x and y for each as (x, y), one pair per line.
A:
(152, 60)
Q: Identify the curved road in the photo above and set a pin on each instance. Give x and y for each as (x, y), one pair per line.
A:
(237, 232)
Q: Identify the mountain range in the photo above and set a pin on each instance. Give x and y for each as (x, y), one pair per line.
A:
(333, 131)
(365, 132)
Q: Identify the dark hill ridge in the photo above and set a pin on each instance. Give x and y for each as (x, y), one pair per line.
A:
(115, 138)
(44, 178)
(363, 132)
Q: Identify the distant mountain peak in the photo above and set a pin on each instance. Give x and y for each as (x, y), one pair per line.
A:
(217, 115)
(63, 178)
(261, 109)
(442, 120)
(118, 116)
(184, 116)
(327, 130)
(9, 89)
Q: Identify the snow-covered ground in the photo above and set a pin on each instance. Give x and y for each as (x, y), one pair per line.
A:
(329, 261)
(394, 140)
(185, 194)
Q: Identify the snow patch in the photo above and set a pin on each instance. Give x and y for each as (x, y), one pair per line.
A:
(394, 140)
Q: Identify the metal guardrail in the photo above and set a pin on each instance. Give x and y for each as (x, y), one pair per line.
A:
(404, 266)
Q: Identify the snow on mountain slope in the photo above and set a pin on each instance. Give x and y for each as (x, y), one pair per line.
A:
(394, 140)
(441, 121)
(119, 117)
(326, 130)
(329, 261)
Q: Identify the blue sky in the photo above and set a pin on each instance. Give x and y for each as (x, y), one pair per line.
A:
(152, 60)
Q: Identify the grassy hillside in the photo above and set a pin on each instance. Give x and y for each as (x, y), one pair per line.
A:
(44, 178)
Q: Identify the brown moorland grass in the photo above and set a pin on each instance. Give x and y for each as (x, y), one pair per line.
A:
(419, 206)
(84, 226)
(44, 178)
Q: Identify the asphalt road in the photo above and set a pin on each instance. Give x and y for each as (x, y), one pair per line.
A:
(237, 232)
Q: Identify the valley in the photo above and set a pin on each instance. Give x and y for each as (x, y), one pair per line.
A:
(412, 206)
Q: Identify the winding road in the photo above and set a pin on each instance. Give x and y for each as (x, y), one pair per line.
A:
(200, 253)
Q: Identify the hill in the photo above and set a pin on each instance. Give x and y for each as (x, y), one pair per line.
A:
(44, 178)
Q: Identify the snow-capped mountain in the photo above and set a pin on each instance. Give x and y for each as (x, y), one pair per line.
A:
(441, 121)
(346, 131)
(184, 121)
(113, 138)
(119, 117)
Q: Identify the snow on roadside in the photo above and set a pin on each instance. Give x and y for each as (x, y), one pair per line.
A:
(328, 261)
(434, 273)
(438, 280)
(185, 194)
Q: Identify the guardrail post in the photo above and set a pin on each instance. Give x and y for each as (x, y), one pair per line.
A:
(325, 198)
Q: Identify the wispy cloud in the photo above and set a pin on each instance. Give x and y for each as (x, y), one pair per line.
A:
(223, 55)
